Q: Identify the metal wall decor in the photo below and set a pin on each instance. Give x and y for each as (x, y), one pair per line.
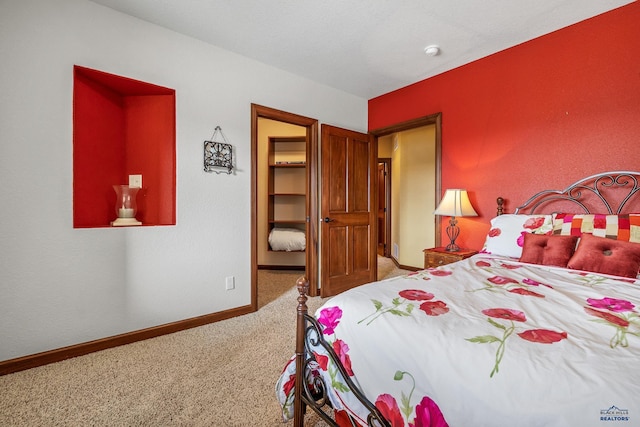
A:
(218, 153)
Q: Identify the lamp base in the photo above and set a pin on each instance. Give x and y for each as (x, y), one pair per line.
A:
(453, 231)
(125, 222)
(452, 247)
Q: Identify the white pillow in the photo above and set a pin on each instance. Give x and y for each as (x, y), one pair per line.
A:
(506, 234)
(287, 239)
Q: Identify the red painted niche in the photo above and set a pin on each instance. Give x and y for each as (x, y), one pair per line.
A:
(122, 127)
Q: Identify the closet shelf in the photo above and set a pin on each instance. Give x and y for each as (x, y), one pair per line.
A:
(286, 192)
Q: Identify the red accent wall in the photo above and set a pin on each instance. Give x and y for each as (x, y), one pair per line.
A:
(150, 151)
(98, 151)
(540, 115)
(122, 127)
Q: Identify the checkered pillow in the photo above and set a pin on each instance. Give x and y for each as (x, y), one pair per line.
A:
(619, 227)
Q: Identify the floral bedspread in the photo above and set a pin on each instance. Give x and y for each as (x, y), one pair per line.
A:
(487, 341)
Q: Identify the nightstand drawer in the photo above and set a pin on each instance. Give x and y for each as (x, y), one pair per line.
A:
(436, 257)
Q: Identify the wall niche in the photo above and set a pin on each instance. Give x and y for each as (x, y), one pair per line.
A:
(122, 127)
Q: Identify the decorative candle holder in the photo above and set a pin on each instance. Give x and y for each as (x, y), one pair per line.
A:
(126, 207)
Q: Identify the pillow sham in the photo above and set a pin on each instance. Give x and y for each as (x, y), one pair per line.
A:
(505, 236)
(607, 256)
(547, 249)
(620, 227)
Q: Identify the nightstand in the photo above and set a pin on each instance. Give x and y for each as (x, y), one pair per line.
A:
(435, 257)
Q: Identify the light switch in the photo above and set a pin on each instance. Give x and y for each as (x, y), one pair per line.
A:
(135, 181)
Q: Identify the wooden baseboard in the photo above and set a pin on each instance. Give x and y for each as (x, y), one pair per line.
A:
(57, 355)
(404, 267)
(282, 267)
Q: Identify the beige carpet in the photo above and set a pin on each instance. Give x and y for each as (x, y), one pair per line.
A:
(221, 374)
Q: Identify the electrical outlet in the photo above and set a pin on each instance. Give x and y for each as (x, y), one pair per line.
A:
(135, 181)
(230, 283)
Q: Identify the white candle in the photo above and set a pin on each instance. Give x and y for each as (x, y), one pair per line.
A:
(125, 213)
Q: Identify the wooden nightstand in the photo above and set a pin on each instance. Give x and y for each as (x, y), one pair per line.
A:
(435, 257)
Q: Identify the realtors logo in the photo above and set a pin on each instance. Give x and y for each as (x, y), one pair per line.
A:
(614, 414)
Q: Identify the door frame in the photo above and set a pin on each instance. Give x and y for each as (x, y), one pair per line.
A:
(432, 119)
(387, 203)
(311, 253)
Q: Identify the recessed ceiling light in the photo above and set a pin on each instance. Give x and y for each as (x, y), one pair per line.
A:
(432, 50)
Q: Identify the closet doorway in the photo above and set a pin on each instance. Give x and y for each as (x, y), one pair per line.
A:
(284, 194)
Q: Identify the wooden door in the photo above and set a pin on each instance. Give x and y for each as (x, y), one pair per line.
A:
(348, 210)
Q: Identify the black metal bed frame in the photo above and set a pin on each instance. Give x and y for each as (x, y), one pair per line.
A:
(590, 189)
(314, 395)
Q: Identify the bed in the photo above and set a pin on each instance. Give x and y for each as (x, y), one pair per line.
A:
(542, 328)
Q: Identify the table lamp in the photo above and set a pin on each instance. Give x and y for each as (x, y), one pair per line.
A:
(455, 203)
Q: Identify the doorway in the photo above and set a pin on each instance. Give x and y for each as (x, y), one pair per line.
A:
(405, 221)
(304, 131)
(313, 174)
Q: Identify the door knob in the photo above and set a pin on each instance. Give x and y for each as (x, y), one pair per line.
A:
(327, 219)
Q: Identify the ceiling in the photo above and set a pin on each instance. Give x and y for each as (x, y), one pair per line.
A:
(363, 47)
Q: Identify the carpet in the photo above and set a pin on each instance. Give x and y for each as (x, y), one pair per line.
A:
(222, 374)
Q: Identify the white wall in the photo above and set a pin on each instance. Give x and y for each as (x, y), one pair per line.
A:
(61, 286)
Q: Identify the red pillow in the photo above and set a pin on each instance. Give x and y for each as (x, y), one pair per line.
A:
(607, 256)
(548, 250)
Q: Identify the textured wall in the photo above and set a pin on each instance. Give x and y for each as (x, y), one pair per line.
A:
(539, 115)
(61, 286)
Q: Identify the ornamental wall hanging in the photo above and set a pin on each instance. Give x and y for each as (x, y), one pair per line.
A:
(218, 153)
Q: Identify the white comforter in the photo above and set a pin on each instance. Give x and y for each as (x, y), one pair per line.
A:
(491, 342)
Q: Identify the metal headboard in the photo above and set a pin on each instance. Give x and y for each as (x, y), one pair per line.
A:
(606, 192)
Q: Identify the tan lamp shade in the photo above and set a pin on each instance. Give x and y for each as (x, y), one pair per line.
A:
(455, 203)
